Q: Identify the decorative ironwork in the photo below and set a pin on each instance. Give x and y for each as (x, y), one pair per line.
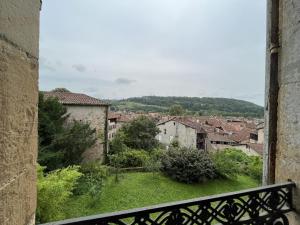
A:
(259, 206)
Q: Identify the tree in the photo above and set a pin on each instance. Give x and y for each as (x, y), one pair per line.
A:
(140, 133)
(52, 117)
(60, 90)
(176, 110)
(72, 142)
(61, 143)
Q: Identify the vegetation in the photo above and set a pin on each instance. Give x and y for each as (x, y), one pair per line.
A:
(192, 105)
(92, 181)
(231, 163)
(176, 110)
(54, 190)
(188, 165)
(130, 158)
(136, 190)
(60, 143)
(140, 133)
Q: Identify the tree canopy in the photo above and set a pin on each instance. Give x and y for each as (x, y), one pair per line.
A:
(176, 110)
(61, 142)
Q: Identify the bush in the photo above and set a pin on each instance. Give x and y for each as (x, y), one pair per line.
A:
(129, 158)
(188, 165)
(116, 145)
(54, 190)
(153, 164)
(232, 162)
(93, 180)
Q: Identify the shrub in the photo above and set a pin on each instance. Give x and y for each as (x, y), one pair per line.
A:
(188, 165)
(130, 158)
(232, 162)
(54, 190)
(93, 180)
(116, 145)
(153, 164)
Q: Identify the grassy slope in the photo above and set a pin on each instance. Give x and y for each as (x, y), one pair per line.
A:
(206, 106)
(143, 189)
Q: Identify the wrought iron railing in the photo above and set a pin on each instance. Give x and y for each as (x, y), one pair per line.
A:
(263, 205)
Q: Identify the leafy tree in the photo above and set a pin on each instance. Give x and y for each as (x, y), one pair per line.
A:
(73, 141)
(60, 90)
(140, 133)
(52, 117)
(54, 190)
(176, 110)
(61, 143)
(116, 145)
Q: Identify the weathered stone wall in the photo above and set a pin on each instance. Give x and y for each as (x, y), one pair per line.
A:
(96, 116)
(19, 34)
(244, 148)
(288, 127)
(260, 136)
(187, 136)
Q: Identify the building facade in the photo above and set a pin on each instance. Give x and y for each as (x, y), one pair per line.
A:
(89, 110)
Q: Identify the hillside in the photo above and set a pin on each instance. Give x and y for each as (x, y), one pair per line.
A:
(192, 105)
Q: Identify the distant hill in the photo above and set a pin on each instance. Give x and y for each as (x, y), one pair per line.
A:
(193, 105)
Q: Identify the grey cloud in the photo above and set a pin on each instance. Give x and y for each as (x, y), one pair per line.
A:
(80, 68)
(46, 64)
(124, 81)
(169, 47)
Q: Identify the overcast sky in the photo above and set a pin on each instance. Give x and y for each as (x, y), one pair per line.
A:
(124, 48)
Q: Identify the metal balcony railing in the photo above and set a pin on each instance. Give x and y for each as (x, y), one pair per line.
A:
(263, 205)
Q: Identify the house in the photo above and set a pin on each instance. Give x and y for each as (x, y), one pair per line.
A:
(192, 134)
(87, 109)
(245, 136)
(112, 125)
(260, 133)
(187, 133)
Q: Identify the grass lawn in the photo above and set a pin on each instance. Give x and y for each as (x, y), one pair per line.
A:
(143, 189)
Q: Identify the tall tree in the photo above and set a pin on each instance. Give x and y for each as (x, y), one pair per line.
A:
(61, 143)
(140, 133)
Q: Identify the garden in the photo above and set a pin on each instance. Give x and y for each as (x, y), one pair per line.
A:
(138, 171)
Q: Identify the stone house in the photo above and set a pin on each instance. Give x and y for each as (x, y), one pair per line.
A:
(260, 133)
(187, 133)
(245, 136)
(112, 125)
(87, 109)
(192, 134)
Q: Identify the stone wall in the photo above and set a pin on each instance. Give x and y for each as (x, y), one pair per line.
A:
(186, 136)
(288, 125)
(96, 116)
(19, 35)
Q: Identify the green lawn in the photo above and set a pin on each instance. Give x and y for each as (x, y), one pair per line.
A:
(143, 189)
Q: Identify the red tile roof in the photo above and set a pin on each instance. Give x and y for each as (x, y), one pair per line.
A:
(243, 135)
(69, 98)
(218, 137)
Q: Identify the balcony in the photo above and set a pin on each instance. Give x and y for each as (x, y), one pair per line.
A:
(263, 205)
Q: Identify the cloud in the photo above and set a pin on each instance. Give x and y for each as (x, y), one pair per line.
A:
(124, 81)
(80, 68)
(45, 64)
